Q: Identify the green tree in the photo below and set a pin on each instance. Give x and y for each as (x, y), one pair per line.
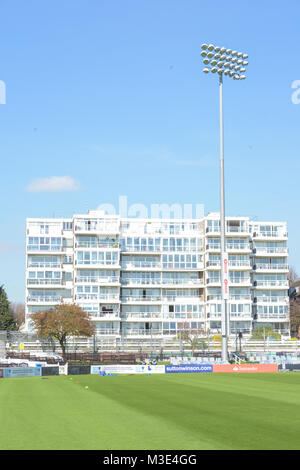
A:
(62, 321)
(7, 321)
(264, 332)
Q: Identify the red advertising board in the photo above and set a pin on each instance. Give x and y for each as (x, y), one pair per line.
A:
(248, 368)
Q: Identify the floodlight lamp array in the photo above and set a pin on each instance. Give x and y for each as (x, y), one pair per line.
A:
(224, 61)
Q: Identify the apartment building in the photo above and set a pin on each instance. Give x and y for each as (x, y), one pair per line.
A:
(154, 277)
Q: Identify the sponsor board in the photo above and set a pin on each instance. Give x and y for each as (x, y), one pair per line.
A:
(128, 369)
(149, 369)
(189, 368)
(21, 371)
(113, 369)
(245, 368)
(63, 370)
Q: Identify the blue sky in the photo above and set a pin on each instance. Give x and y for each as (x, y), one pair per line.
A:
(111, 93)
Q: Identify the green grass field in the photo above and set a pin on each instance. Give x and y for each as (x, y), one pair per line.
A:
(172, 411)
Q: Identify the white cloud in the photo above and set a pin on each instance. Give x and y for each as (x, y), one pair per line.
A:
(53, 184)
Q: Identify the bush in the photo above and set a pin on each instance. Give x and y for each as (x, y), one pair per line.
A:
(217, 338)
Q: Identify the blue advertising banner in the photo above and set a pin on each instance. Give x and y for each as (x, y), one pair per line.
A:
(189, 368)
(21, 371)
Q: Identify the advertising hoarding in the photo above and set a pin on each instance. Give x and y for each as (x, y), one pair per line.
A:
(245, 368)
(189, 368)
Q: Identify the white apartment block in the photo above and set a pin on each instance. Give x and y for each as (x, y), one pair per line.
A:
(142, 277)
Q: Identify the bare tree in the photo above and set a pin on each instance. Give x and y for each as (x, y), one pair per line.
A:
(293, 275)
(18, 312)
(193, 337)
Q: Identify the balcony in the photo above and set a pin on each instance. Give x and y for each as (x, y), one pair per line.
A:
(105, 316)
(273, 317)
(240, 297)
(230, 247)
(45, 265)
(213, 297)
(180, 298)
(163, 282)
(141, 265)
(270, 250)
(244, 264)
(107, 332)
(98, 297)
(140, 282)
(270, 267)
(92, 226)
(270, 234)
(234, 247)
(240, 281)
(148, 316)
(97, 265)
(101, 280)
(141, 249)
(45, 299)
(141, 298)
(97, 245)
(183, 266)
(45, 282)
(272, 283)
(41, 249)
(143, 332)
(272, 299)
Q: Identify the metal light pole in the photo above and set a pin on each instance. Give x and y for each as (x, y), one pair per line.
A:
(231, 63)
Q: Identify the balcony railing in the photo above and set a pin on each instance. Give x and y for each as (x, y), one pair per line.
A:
(240, 263)
(272, 283)
(268, 249)
(84, 296)
(229, 246)
(114, 263)
(272, 316)
(137, 298)
(106, 316)
(214, 297)
(141, 316)
(97, 245)
(44, 265)
(159, 249)
(142, 264)
(238, 246)
(98, 280)
(183, 316)
(45, 299)
(269, 234)
(184, 298)
(272, 299)
(239, 280)
(267, 266)
(186, 282)
(143, 332)
(107, 331)
(42, 248)
(137, 282)
(45, 282)
(108, 227)
(182, 266)
(240, 297)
